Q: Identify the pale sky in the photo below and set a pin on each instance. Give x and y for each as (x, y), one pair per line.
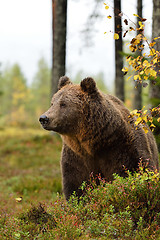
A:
(25, 36)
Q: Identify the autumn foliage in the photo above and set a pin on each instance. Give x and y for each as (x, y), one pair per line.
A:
(144, 68)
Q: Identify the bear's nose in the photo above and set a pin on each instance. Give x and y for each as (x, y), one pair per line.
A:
(43, 119)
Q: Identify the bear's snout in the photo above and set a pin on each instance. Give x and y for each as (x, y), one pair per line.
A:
(44, 120)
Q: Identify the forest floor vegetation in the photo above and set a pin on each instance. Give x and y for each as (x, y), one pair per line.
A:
(32, 205)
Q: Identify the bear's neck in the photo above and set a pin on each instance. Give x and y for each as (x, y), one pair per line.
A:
(75, 143)
(94, 140)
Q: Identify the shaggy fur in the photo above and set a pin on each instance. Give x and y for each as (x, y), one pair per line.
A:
(98, 137)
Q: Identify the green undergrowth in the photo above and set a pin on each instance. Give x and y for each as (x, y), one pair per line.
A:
(29, 168)
(127, 208)
(124, 209)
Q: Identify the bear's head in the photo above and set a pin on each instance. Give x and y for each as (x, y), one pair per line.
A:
(69, 106)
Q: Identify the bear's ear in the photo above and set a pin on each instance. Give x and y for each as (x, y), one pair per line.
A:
(63, 81)
(88, 85)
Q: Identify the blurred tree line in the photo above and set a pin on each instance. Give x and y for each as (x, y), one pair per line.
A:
(20, 103)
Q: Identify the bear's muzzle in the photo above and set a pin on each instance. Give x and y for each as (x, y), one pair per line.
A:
(44, 120)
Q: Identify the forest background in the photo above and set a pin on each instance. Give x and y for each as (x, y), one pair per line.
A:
(30, 174)
(20, 97)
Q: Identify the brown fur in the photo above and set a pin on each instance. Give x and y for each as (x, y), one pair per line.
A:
(97, 137)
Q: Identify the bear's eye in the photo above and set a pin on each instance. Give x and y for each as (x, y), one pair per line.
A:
(62, 104)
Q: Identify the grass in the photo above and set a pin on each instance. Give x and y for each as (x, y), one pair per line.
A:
(30, 209)
(29, 168)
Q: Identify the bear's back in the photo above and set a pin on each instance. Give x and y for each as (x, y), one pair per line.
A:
(119, 105)
(142, 137)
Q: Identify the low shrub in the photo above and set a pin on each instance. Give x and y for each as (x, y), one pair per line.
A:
(127, 208)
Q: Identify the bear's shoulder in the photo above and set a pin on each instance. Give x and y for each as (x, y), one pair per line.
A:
(116, 104)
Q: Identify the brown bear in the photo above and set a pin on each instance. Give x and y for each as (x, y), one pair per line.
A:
(98, 135)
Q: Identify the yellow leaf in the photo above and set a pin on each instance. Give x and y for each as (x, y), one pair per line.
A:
(155, 61)
(129, 77)
(138, 58)
(141, 25)
(156, 38)
(132, 48)
(147, 71)
(128, 58)
(153, 73)
(139, 36)
(145, 129)
(158, 119)
(131, 29)
(106, 7)
(134, 112)
(152, 44)
(19, 199)
(146, 63)
(131, 62)
(125, 69)
(145, 111)
(136, 77)
(116, 36)
(109, 17)
(138, 120)
(135, 15)
(152, 51)
(144, 118)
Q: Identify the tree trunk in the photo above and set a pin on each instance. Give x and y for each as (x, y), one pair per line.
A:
(155, 89)
(59, 22)
(137, 104)
(119, 78)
